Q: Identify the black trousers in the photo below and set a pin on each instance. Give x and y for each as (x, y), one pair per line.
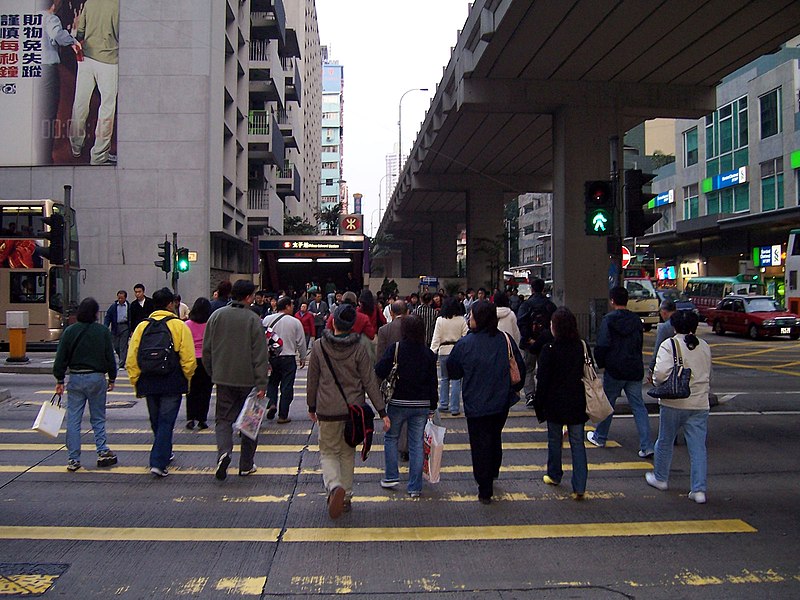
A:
(486, 445)
(230, 401)
(199, 396)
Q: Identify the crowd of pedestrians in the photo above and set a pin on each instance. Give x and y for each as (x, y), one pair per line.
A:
(468, 351)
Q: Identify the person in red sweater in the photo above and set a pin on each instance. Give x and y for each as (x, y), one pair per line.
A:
(307, 320)
(362, 324)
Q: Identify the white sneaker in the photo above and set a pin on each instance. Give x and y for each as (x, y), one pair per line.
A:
(646, 453)
(591, 436)
(699, 497)
(389, 484)
(159, 472)
(650, 477)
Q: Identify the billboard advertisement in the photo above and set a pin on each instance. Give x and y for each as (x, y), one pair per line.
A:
(58, 81)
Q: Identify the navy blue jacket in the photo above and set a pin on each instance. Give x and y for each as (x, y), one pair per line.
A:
(482, 361)
(111, 317)
(416, 373)
(619, 345)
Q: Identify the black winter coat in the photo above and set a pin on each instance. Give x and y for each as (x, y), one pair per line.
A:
(560, 396)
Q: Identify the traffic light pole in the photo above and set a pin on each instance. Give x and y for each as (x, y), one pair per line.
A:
(614, 242)
(174, 262)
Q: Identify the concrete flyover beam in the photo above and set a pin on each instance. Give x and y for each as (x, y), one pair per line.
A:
(645, 100)
(463, 182)
(444, 217)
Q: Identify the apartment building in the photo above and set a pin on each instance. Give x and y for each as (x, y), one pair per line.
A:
(333, 189)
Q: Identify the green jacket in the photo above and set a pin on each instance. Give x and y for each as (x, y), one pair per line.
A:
(98, 30)
(94, 352)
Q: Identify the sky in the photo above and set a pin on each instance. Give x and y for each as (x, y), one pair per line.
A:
(386, 48)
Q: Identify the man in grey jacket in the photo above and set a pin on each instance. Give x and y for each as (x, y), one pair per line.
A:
(664, 331)
(236, 358)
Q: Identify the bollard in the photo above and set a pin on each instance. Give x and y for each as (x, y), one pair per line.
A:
(17, 325)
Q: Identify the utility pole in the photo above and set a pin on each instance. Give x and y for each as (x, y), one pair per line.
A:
(68, 224)
(174, 262)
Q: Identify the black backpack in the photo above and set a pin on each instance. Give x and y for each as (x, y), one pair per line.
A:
(157, 354)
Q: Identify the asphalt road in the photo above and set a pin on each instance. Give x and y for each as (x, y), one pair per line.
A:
(108, 533)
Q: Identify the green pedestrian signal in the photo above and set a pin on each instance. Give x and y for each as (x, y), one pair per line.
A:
(182, 263)
(599, 205)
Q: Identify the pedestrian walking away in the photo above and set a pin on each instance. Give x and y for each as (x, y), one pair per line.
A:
(198, 399)
(284, 365)
(413, 401)
(619, 352)
(118, 319)
(160, 365)
(85, 349)
(533, 321)
(329, 407)
(450, 327)
(389, 335)
(235, 356)
(690, 413)
(561, 401)
(428, 314)
(482, 360)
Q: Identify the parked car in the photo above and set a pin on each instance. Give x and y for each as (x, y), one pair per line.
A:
(755, 316)
(679, 298)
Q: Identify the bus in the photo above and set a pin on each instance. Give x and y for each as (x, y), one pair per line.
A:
(706, 292)
(520, 280)
(792, 267)
(28, 282)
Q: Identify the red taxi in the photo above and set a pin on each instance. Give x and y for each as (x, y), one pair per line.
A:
(756, 316)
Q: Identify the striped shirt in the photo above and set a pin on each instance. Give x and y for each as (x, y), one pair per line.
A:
(428, 315)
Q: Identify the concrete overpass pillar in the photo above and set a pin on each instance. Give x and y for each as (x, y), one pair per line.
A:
(443, 241)
(423, 251)
(484, 228)
(580, 153)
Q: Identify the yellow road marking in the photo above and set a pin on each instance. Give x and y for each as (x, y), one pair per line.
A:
(243, 586)
(755, 368)
(514, 532)
(378, 534)
(23, 585)
(694, 579)
(342, 584)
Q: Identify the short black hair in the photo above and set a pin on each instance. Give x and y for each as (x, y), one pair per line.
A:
(564, 324)
(537, 285)
(427, 297)
(501, 300)
(284, 302)
(485, 315)
(452, 307)
(139, 285)
(619, 295)
(240, 290)
(201, 310)
(162, 298)
(224, 289)
(87, 310)
(412, 329)
(123, 292)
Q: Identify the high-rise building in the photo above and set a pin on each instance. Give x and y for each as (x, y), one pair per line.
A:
(332, 186)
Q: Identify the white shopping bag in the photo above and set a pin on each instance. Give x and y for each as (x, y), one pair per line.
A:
(433, 446)
(249, 420)
(50, 417)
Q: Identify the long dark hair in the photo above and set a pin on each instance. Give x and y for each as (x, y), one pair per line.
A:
(565, 325)
(87, 311)
(485, 315)
(201, 310)
(367, 302)
(452, 307)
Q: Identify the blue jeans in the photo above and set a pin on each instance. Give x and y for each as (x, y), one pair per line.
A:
(579, 465)
(695, 427)
(284, 370)
(633, 391)
(83, 388)
(415, 418)
(449, 389)
(163, 409)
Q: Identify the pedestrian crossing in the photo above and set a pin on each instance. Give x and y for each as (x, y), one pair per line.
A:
(282, 505)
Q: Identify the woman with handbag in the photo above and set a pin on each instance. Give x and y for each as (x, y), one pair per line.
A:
(450, 327)
(482, 360)
(683, 351)
(560, 399)
(412, 402)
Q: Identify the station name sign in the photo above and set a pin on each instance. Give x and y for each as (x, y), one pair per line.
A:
(310, 245)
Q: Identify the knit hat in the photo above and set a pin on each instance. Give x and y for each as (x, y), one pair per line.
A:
(344, 317)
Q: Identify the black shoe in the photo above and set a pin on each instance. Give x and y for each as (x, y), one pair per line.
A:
(189, 424)
(271, 412)
(222, 466)
(202, 425)
(106, 458)
(483, 500)
(529, 401)
(404, 456)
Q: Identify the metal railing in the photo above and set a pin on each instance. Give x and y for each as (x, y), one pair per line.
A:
(258, 199)
(259, 50)
(287, 172)
(258, 122)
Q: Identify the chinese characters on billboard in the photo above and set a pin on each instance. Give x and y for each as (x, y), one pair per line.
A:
(58, 81)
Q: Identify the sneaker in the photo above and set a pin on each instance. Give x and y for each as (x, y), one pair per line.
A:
(76, 154)
(222, 466)
(271, 412)
(246, 472)
(347, 505)
(414, 494)
(283, 420)
(591, 436)
(158, 472)
(650, 477)
(389, 484)
(483, 500)
(549, 480)
(455, 413)
(171, 457)
(336, 502)
(529, 401)
(73, 465)
(699, 497)
(646, 453)
(202, 425)
(189, 424)
(106, 458)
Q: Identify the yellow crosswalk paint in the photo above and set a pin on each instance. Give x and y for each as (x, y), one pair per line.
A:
(141, 534)
(24, 585)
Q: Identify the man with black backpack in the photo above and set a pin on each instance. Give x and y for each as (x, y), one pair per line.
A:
(160, 365)
(533, 320)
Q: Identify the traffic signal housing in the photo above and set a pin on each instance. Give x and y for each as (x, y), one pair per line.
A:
(636, 220)
(599, 203)
(55, 252)
(165, 252)
(182, 260)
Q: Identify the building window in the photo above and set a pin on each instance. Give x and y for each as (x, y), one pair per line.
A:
(690, 147)
(330, 165)
(330, 148)
(772, 184)
(727, 138)
(691, 202)
(770, 113)
(528, 230)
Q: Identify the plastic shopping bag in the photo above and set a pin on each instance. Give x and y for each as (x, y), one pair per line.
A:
(249, 420)
(50, 417)
(432, 445)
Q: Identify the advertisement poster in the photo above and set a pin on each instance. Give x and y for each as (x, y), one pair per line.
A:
(58, 82)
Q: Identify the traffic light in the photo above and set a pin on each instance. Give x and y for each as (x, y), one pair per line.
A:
(636, 220)
(165, 264)
(55, 252)
(599, 201)
(182, 260)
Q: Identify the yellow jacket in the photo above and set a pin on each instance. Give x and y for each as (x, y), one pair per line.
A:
(184, 346)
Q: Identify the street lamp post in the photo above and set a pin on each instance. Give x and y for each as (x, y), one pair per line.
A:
(380, 185)
(400, 128)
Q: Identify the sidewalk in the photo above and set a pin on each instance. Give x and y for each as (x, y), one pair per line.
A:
(39, 363)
